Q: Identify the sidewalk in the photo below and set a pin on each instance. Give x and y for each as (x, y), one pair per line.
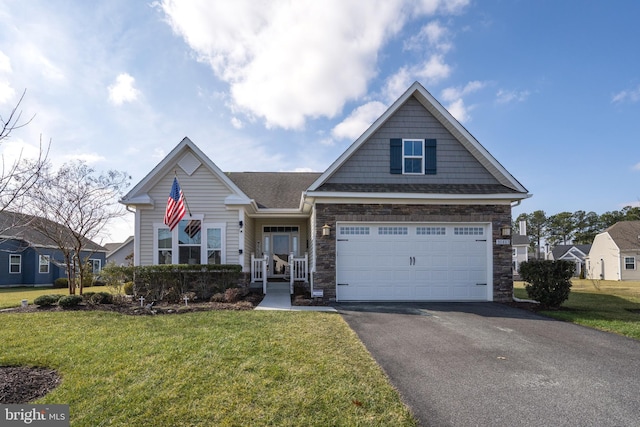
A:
(279, 298)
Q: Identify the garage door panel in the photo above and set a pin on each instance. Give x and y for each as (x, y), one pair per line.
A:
(412, 266)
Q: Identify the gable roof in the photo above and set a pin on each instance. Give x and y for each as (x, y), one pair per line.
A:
(561, 250)
(626, 234)
(508, 184)
(115, 247)
(518, 239)
(16, 226)
(280, 190)
(138, 195)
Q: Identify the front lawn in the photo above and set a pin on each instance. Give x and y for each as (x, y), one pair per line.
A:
(12, 297)
(606, 305)
(204, 369)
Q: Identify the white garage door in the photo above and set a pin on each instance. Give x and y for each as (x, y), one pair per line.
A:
(412, 262)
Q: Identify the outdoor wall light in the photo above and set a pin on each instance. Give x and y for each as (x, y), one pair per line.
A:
(241, 223)
(326, 230)
(505, 231)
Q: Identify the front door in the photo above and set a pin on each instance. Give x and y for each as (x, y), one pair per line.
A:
(278, 244)
(280, 254)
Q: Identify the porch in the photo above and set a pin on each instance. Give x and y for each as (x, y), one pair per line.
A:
(295, 269)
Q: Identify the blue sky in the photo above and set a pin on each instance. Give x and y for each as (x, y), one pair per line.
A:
(550, 88)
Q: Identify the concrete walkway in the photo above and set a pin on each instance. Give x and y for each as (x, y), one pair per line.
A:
(279, 298)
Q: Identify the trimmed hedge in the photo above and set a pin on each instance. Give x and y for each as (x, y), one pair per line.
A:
(171, 281)
(548, 282)
(70, 301)
(61, 282)
(47, 300)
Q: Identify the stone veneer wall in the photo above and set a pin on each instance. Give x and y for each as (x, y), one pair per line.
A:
(497, 215)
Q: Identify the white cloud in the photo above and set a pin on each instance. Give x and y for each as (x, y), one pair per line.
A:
(15, 149)
(236, 123)
(631, 95)
(507, 96)
(433, 35)
(429, 72)
(7, 93)
(454, 96)
(5, 63)
(289, 61)
(451, 94)
(459, 110)
(359, 120)
(636, 167)
(123, 90)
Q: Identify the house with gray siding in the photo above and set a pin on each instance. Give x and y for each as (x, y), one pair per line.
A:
(416, 209)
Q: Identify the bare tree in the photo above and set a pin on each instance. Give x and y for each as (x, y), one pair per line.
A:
(82, 203)
(20, 175)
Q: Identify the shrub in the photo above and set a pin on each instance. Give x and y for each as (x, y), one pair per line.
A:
(219, 297)
(99, 298)
(233, 295)
(61, 282)
(128, 288)
(548, 282)
(46, 300)
(70, 301)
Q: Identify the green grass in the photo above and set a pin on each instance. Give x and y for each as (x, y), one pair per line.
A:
(603, 305)
(204, 369)
(12, 297)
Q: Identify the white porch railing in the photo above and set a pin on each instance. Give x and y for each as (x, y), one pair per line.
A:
(298, 269)
(259, 270)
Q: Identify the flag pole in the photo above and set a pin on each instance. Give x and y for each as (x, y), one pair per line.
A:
(184, 197)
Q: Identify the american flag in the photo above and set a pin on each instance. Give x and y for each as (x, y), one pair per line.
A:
(175, 206)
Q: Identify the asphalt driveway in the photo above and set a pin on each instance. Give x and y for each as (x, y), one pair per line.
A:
(487, 364)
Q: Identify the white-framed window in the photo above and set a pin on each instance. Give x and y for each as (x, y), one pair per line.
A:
(189, 241)
(629, 263)
(96, 265)
(192, 241)
(43, 264)
(413, 156)
(214, 246)
(15, 263)
(164, 245)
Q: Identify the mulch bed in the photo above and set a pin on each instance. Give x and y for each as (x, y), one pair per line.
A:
(134, 309)
(21, 384)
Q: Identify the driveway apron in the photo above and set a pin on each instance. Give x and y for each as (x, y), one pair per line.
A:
(488, 364)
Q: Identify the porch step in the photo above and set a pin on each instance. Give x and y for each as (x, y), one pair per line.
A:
(277, 286)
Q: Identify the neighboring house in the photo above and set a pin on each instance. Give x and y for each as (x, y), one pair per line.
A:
(415, 209)
(520, 247)
(520, 250)
(28, 258)
(615, 252)
(120, 253)
(573, 253)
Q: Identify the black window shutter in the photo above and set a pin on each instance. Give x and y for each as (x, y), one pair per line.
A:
(396, 156)
(430, 157)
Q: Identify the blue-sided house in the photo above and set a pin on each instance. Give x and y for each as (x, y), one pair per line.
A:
(415, 209)
(28, 258)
